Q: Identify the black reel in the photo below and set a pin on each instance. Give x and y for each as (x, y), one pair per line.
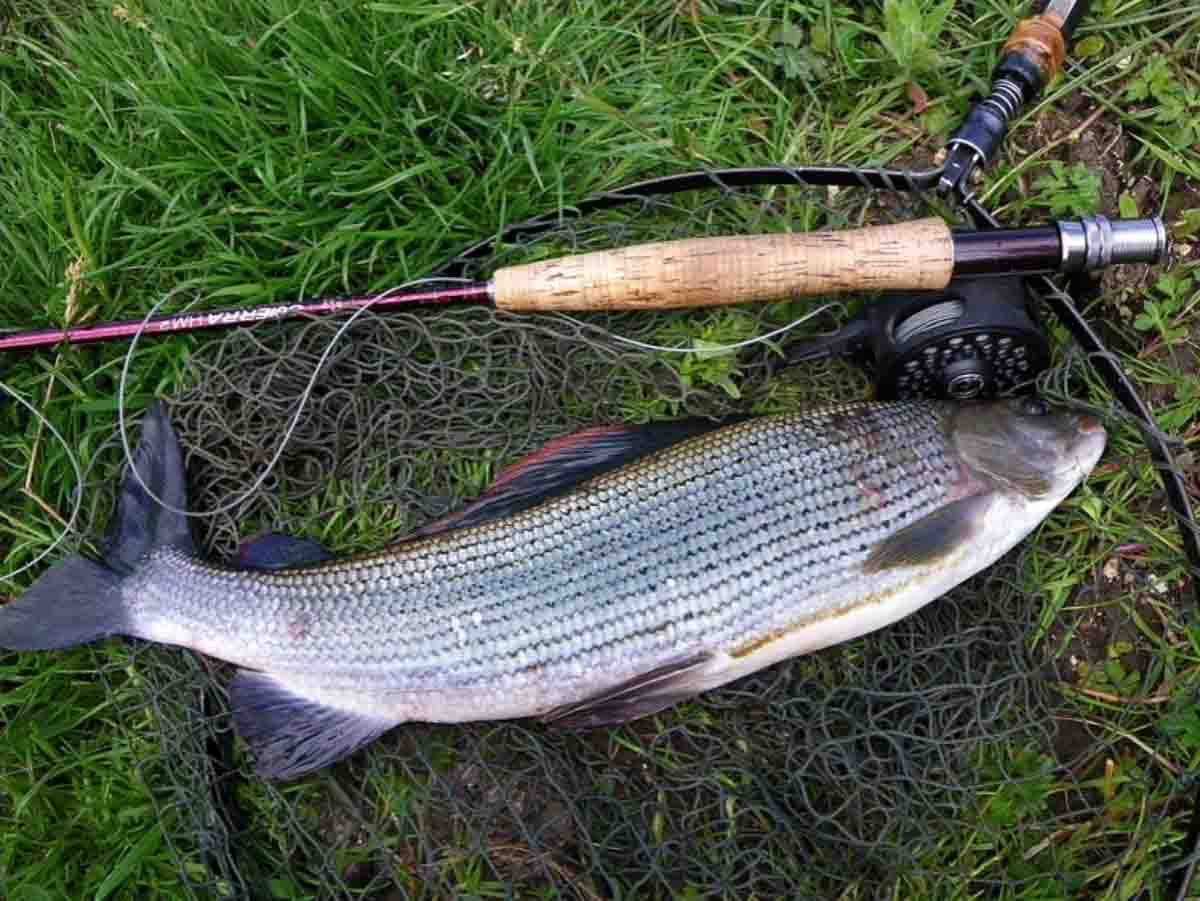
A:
(976, 339)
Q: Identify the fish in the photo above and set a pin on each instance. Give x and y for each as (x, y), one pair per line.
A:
(610, 575)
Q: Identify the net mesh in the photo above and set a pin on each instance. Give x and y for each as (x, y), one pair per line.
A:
(839, 774)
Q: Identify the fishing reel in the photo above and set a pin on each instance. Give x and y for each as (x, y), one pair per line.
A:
(978, 338)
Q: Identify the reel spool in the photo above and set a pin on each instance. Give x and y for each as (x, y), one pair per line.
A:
(976, 339)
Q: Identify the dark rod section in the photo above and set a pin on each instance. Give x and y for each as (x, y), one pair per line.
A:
(1007, 251)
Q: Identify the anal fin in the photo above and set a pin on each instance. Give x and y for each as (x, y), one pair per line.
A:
(644, 694)
(290, 735)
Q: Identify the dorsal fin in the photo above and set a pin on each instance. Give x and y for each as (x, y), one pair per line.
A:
(564, 463)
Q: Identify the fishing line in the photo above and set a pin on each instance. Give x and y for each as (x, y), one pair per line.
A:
(305, 394)
(311, 382)
(77, 506)
(713, 349)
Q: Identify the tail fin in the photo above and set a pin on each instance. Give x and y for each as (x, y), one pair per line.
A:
(75, 602)
(80, 600)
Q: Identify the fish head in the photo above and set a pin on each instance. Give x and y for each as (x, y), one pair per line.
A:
(1026, 447)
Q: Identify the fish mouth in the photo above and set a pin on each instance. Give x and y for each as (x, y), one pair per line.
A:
(1081, 454)
(1093, 438)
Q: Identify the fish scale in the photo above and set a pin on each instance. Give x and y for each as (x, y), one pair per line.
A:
(765, 508)
(606, 577)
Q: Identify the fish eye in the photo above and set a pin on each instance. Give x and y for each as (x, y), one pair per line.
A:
(1033, 406)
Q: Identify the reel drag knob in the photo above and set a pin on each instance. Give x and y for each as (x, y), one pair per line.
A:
(967, 379)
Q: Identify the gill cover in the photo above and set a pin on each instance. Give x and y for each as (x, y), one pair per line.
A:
(1020, 444)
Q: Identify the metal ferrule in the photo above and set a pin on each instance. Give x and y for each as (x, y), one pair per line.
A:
(1139, 240)
(1095, 242)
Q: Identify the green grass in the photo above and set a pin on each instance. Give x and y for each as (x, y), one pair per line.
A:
(260, 150)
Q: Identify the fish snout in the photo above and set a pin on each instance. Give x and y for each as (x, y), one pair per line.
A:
(1090, 444)
(1069, 457)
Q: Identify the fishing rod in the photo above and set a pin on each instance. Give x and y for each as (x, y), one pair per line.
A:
(923, 255)
(919, 256)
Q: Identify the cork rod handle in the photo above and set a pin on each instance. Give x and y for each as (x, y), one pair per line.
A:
(705, 272)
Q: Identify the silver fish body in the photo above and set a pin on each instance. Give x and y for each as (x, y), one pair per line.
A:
(681, 569)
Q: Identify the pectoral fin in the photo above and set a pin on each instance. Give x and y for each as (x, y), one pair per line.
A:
(932, 537)
(640, 696)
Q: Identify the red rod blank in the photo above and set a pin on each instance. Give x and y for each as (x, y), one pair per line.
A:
(192, 322)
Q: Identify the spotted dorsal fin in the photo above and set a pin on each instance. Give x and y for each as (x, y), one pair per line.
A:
(564, 463)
